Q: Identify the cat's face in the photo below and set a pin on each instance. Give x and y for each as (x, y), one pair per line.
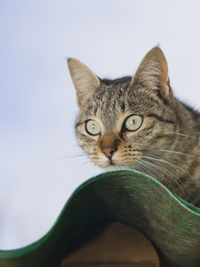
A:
(120, 120)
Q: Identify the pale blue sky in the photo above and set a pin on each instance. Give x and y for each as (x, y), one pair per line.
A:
(37, 98)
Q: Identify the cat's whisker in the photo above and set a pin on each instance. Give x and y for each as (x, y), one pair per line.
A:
(184, 135)
(174, 152)
(154, 166)
(65, 158)
(77, 156)
(142, 163)
(86, 162)
(155, 171)
(168, 175)
(167, 162)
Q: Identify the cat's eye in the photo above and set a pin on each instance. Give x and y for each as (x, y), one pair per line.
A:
(93, 127)
(133, 123)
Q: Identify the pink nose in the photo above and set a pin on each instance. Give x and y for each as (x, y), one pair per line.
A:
(108, 151)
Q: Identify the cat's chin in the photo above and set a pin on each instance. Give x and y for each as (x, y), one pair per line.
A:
(117, 167)
(113, 164)
(113, 167)
(110, 166)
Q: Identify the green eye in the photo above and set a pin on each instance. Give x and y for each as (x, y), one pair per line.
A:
(133, 122)
(93, 127)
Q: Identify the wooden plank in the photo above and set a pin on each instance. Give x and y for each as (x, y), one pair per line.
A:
(116, 245)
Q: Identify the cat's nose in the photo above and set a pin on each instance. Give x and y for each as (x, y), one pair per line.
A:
(108, 151)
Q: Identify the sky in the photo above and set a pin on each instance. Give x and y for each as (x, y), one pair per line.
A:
(40, 161)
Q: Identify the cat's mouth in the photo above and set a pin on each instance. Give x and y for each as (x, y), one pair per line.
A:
(119, 164)
(115, 165)
(112, 163)
(115, 162)
(108, 164)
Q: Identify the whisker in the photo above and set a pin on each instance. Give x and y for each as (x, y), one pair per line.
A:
(175, 152)
(142, 163)
(86, 162)
(77, 156)
(184, 135)
(156, 167)
(155, 171)
(168, 175)
(169, 163)
(64, 158)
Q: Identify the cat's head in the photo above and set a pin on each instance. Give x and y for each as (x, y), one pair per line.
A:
(120, 119)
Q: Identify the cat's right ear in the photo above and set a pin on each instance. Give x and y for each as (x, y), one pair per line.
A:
(84, 80)
(153, 73)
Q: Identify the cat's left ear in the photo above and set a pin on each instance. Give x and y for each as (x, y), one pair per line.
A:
(153, 72)
(85, 81)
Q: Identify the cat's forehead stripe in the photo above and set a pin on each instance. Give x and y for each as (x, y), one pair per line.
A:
(160, 118)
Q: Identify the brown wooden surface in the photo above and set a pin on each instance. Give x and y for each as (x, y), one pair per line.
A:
(116, 245)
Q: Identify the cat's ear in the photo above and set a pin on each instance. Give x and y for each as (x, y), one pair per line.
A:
(85, 81)
(153, 72)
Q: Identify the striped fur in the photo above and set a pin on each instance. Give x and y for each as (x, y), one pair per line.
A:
(166, 146)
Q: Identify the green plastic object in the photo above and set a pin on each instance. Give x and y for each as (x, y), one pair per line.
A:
(125, 196)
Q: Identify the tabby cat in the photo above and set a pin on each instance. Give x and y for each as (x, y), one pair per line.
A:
(136, 122)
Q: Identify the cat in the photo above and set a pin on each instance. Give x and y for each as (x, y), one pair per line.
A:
(137, 122)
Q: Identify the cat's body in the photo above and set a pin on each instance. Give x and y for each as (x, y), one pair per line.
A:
(136, 122)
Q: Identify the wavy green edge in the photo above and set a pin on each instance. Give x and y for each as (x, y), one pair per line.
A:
(39, 253)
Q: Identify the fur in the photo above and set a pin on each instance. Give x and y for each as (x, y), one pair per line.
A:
(165, 146)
